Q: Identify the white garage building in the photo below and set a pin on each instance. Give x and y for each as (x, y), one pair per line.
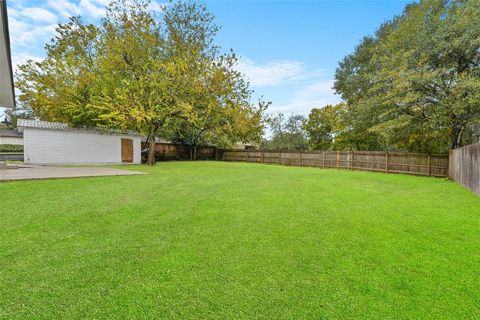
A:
(57, 143)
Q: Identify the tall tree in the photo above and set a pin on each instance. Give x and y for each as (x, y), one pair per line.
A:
(288, 133)
(138, 87)
(416, 82)
(215, 97)
(217, 108)
(324, 127)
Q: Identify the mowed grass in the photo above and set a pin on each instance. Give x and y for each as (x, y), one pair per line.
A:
(215, 240)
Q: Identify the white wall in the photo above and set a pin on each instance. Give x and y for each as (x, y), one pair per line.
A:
(11, 140)
(62, 147)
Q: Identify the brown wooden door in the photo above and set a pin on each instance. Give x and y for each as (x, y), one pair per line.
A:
(127, 150)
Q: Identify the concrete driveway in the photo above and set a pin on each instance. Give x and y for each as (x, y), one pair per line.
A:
(53, 172)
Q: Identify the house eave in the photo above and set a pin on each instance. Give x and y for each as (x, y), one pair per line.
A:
(7, 91)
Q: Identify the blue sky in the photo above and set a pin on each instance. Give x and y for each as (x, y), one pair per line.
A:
(288, 49)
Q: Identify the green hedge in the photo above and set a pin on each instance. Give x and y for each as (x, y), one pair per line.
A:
(11, 148)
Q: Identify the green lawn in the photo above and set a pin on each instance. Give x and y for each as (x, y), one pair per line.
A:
(233, 241)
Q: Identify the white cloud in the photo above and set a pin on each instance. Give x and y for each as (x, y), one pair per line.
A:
(274, 72)
(315, 95)
(26, 34)
(38, 14)
(88, 8)
(13, 13)
(308, 88)
(93, 8)
(33, 26)
(64, 7)
(22, 58)
(157, 6)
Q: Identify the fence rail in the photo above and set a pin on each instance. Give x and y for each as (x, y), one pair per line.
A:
(389, 162)
(464, 166)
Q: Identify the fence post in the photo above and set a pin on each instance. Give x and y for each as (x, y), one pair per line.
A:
(351, 160)
(234, 155)
(263, 156)
(323, 159)
(386, 162)
(299, 158)
(248, 156)
(338, 158)
(449, 164)
(429, 164)
(280, 157)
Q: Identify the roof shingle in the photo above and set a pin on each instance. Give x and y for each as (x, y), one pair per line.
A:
(47, 125)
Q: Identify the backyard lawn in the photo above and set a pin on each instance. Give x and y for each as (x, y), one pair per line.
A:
(234, 240)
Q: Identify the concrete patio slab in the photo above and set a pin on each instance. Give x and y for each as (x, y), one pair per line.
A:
(53, 172)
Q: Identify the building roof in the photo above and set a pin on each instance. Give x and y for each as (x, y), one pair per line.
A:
(11, 133)
(7, 93)
(58, 126)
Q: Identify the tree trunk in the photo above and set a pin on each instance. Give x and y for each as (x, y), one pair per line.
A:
(456, 137)
(194, 152)
(151, 146)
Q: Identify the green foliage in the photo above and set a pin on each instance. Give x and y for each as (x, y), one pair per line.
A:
(324, 127)
(11, 148)
(156, 73)
(286, 133)
(214, 96)
(60, 87)
(415, 84)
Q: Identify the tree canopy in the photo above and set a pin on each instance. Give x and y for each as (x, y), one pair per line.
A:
(324, 127)
(287, 133)
(156, 73)
(415, 84)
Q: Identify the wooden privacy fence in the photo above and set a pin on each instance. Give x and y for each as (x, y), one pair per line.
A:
(464, 166)
(389, 162)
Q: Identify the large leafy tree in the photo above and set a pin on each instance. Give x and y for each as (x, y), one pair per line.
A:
(353, 81)
(139, 83)
(287, 133)
(415, 85)
(216, 108)
(214, 96)
(324, 127)
(139, 70)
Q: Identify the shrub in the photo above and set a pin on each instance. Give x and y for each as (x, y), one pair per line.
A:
(11, 148)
